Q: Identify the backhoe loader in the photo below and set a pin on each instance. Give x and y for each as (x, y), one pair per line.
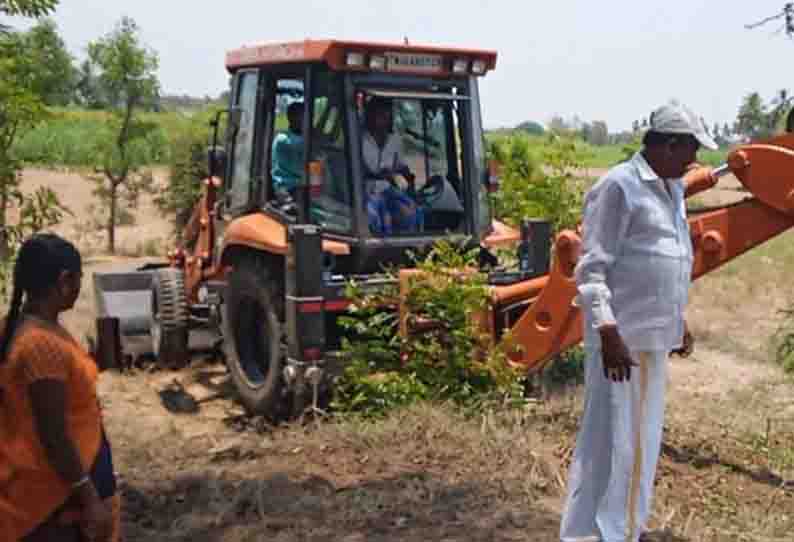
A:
(265, 269)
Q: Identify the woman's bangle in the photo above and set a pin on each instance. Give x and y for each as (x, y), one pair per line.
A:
(81, 482)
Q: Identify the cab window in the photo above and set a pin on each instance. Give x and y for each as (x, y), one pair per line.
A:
(411, 159)
(333, 207)
(241, 178)
(286, 147)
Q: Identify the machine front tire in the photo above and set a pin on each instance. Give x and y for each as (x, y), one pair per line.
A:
(170, 318)
(253, 338)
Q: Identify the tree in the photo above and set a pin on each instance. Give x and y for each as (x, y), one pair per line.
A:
(586, 132)
(599, 133)
(751, 120)
(25, 8)
(787, 16)
(726, 130)
(21, 107)
(87, 91)
(126, 71)
(551, 189)
(28, 8)
(187, 165)
(531, 127)
(558, 124)
(781, 104)
(53, 75)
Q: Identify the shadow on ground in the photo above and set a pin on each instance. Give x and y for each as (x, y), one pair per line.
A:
(700, 460)
(410, 507)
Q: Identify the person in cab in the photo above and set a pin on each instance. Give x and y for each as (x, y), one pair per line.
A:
(389, 208)
(287, 162)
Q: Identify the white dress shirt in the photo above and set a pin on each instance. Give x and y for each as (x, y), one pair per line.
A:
(636, 261)
(377, 158)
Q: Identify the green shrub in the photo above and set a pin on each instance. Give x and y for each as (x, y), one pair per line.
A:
(541, 182)
(37, 211)
(187, 167)
(450, 362)
(567, 367)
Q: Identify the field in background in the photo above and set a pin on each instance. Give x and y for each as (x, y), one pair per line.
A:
(600, 156)
(71, 138)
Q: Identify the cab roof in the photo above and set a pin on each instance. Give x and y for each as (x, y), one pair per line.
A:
(400, 57)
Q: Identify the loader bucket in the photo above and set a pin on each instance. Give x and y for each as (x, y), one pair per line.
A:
(126, 296)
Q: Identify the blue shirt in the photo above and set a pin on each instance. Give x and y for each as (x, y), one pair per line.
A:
(636, 261)
(287, 162)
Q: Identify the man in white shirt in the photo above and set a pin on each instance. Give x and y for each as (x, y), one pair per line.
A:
(388, 208)
(633, 277)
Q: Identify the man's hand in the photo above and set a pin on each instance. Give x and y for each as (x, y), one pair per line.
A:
(615, 355)
(687, 345)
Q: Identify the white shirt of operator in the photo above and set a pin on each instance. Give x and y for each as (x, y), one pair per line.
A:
(377, 158)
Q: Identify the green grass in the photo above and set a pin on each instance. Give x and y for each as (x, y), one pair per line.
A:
(602, 156)
(72, 138)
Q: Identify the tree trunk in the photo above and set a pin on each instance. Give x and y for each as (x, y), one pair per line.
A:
(112, 219)
(5, 249)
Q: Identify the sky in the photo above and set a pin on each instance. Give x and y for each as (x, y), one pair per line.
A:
(612, 60)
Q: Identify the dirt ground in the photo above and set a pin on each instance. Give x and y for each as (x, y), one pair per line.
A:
(149, 231)
(214, 474)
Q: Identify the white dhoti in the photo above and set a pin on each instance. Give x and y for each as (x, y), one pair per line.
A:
(611, 478)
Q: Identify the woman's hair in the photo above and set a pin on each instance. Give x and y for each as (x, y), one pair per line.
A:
(40, 261)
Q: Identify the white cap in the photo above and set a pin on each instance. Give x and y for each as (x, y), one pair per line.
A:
(676, 118)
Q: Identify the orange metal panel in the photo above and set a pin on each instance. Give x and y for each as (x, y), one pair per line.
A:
(275, 53)
(333, 53)
(782, 140)
(719, 236)
(552, 323)
(262, 232)
(528, 289)
(200, 232)
(768, 172)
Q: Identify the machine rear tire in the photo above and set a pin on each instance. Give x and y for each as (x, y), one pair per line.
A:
(253, 338)
(170, 318)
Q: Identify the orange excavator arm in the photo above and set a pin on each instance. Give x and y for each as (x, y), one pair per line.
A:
(552, 323)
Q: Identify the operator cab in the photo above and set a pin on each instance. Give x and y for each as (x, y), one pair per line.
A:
(386, 153)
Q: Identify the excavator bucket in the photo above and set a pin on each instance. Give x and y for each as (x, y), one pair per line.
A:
(127, 297)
